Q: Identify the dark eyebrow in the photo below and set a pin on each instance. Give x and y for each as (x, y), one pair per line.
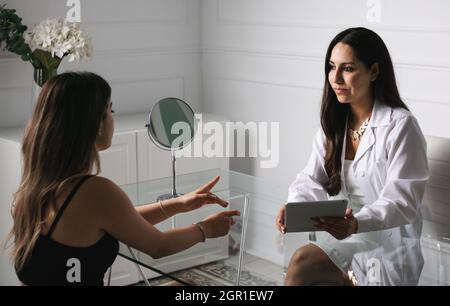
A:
(348, 63)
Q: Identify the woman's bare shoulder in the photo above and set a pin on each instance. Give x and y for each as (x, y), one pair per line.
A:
(107, 202)
(103, 190)
(101, 182)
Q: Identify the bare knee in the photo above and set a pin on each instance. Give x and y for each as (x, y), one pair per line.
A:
(302, 256)
(300, 264)
(309, 265)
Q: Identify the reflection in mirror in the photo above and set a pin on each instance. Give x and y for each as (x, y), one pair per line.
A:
(171, 127)
(171, 124)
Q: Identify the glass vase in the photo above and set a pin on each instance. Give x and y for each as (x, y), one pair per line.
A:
(40, 76)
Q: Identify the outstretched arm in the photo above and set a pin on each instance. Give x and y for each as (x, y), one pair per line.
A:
(158, 212)
(119, 218)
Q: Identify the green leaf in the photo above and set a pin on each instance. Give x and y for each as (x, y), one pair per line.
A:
(16, 45)
(42, 56)
(46, 59)
(11, 32)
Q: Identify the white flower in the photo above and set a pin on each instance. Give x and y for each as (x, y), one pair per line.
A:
(60, 38)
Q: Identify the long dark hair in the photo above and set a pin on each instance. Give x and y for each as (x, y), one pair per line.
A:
(368, 48)
(58, 146)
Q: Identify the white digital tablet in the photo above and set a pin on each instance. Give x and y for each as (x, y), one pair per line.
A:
(298, 215)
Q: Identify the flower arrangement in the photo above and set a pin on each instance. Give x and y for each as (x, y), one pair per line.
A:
(46, 45)
(59, 37)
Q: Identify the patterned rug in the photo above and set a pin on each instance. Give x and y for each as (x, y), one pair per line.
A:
(219, 273)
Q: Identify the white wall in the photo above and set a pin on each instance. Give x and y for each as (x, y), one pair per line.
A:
(146, 49)
(263, 61)
(252, 60)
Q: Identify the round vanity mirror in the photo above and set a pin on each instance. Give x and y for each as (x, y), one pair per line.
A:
(171, 127)
(171, 124)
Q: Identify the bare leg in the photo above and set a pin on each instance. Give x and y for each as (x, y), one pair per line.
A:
(311, 266)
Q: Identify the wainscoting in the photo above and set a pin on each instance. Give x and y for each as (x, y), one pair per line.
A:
(146, 50)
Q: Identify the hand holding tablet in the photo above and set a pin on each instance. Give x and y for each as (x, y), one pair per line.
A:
(298, 216)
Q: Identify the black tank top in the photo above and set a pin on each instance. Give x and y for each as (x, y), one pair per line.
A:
(53, 263)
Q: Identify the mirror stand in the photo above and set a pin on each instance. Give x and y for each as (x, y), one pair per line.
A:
(166, 117)
(174, 193)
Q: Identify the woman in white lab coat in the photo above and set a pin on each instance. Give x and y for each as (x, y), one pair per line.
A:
(371, 151)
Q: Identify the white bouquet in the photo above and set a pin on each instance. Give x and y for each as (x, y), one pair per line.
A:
(46, 45)
(60, 38)
(52, 40)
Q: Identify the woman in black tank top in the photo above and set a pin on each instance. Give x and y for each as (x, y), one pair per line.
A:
(54, 263)
(71, 122)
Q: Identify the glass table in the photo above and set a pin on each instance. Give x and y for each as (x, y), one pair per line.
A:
(254, 233)
(229, 248)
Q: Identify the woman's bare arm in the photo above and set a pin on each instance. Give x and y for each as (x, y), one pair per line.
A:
(118, 217)
(157, 212)
(154, 213)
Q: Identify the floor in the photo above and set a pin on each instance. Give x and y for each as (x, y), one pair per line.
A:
(256, 272)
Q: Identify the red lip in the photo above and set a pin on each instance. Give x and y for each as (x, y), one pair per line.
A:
(340, 90)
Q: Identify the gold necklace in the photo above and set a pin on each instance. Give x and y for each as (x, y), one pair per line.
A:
(356, 135)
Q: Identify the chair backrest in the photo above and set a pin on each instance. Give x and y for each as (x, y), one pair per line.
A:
(436, 203)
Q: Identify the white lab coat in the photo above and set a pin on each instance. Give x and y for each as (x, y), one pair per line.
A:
(391, 169)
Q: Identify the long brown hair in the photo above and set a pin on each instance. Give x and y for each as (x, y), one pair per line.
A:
(369, 48)
(58, 146)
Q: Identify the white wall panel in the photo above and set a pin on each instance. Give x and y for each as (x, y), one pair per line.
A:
(263, 61)
(282, 43)
(147, 50)
(105, 11)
